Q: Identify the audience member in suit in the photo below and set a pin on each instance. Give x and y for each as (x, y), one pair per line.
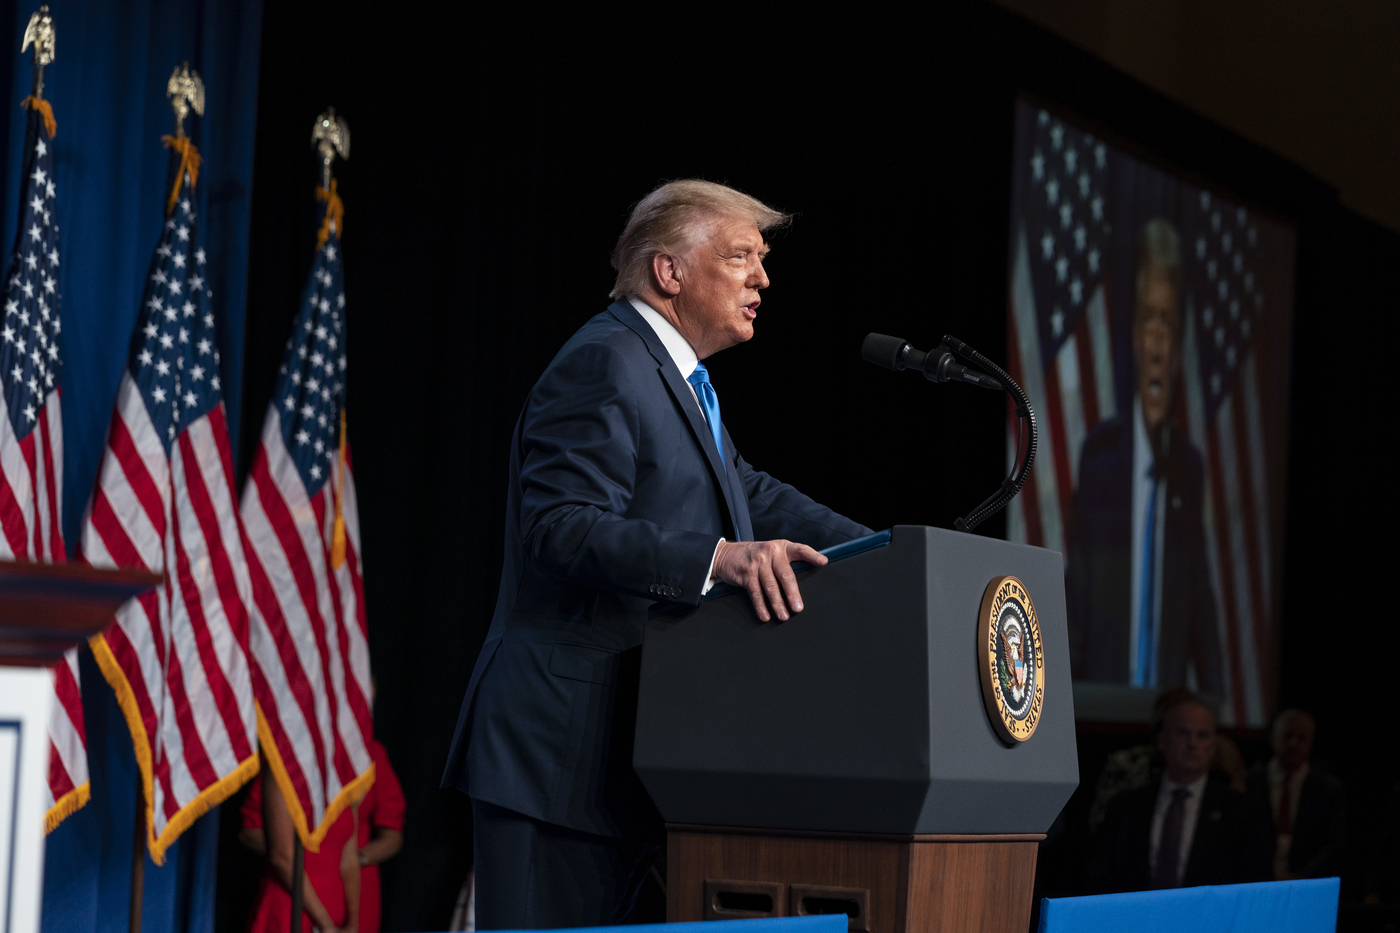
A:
(625, 492)
(1137, 587)
(1187, 829)
(1308, 804)
(1141, 765)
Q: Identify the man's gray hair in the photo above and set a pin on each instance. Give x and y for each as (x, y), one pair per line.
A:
(1159, 249)
(675, 218)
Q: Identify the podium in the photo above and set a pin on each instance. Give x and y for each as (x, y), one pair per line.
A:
(848, 760)
(45, 609)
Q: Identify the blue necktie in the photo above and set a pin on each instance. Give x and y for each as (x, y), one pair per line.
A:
(709, 401)
(1146, 674)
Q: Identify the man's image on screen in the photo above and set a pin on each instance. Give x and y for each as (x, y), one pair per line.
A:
(1138, 590)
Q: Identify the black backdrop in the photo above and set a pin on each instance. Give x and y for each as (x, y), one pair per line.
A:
(495, 156)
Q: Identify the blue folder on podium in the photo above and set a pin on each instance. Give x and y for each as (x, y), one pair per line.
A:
(1308, 906)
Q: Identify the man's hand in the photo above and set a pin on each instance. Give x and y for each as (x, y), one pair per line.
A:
(764, 569)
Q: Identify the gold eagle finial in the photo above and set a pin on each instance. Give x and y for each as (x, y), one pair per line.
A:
(186, 93)
(331, 137)
(40, 33)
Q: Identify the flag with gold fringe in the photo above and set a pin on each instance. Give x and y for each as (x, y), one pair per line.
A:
(308, 637)
(31, 433)
(176, 657)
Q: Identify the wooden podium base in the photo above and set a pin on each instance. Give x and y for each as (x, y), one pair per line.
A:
(884, 883)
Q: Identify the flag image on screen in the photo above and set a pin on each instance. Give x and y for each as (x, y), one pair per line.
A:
(1149, 320)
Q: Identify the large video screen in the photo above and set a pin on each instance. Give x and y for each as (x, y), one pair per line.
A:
(1149, 320)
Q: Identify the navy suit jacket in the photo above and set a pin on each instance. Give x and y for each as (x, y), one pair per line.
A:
(617, 499)
(1098, 571)
(1233, 842)
(1320, 827)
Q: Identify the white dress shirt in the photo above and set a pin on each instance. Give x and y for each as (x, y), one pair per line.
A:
(683, 355)
(1144, 487)
(1191, 809)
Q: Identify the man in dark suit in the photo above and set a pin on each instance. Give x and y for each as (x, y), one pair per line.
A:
(625, 491)
(1188, 829)
(1137, 586)
(1307, 803)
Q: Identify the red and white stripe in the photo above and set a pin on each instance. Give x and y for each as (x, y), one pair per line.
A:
(308, 637)
(177, 656)
(31, 486)
(1236, 525)
(67, 789)
(31, 529)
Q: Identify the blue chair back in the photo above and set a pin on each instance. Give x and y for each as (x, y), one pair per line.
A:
(1271, 907)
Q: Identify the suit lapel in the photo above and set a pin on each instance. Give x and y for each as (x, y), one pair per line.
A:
(685, 401)
(1206, 841)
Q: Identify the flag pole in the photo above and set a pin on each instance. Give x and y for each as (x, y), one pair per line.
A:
(185, 91)
(40, 32)
(138, 861)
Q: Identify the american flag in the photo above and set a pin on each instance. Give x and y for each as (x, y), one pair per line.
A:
(176, 657)
(1075, 363)
(31, 435)
(309, 642)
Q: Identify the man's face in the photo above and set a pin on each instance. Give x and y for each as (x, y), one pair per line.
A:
(720, 279)
(1293, 741)
(1155, 324)
(1187, 741)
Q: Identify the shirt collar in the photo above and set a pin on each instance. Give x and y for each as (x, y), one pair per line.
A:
(1195, 787)
(682, 354)
(1278, 775)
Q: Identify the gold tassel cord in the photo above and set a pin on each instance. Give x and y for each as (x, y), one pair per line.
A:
(189, 163)
(334, 221)
(338, 529)
(45, 109)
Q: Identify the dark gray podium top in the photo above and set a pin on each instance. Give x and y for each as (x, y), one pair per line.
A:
(865, 712)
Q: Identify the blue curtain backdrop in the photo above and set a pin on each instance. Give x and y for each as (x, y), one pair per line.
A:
(107, 87)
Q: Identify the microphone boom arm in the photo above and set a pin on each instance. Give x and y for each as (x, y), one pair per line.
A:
(938, 366)
(1010, 486)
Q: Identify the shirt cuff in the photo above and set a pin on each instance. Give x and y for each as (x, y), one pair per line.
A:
(710, 580)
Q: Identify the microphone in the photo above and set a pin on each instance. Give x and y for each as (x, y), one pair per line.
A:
(937, 365)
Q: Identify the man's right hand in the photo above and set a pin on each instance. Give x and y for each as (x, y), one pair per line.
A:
(764, 568)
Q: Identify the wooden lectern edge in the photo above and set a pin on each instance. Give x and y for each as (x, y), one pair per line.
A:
(45, 609)
(855, 836)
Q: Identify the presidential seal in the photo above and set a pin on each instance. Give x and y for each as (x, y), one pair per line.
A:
(1010, 658)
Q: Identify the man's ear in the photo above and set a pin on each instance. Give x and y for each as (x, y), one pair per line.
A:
(666, 273)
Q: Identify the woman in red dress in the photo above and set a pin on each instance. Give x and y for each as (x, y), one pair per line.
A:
(331, 886)
(381, 833)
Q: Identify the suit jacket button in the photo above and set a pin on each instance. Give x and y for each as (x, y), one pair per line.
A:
(652, 589)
